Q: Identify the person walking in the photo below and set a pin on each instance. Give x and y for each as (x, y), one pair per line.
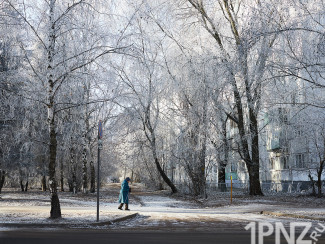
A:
(124, 194)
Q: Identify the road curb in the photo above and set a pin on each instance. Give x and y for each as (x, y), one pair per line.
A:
(297, 216)
(67, 225)
(131, 216)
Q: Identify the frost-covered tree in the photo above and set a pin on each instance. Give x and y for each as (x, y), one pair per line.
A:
(10, 106)
(193, 136)
(244, 33)
(55, 29)
(147, 110)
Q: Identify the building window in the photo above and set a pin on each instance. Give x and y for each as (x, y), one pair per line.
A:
(233, 167)
(283, 115)
(299, 131)
(243, 165)
(300, 161)
(285, 148)
(272, 163)
(285, 162)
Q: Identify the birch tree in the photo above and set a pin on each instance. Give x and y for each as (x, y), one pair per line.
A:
(59, 24)
(10, 70)
(193, 96)
(244, 34)
(146, 86)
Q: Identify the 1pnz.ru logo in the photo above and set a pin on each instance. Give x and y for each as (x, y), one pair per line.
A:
(266, 229)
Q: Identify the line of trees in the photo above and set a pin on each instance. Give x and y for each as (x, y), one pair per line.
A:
(172, 81)
(222, 65)
(53, 117)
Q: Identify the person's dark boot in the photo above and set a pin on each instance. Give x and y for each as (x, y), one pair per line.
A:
(127, 207)
(121, 206)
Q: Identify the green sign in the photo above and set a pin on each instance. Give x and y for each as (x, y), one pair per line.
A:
(233, 174)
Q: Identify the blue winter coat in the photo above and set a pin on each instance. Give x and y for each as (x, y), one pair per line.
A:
(124, 193)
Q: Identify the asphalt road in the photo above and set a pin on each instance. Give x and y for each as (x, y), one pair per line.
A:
(96, 237)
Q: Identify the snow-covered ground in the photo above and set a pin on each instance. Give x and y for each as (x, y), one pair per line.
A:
(157, 210)
(160, 211)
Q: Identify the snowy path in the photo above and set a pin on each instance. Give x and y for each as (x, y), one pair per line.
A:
(163, 212)
(156, 211)
(70, 214)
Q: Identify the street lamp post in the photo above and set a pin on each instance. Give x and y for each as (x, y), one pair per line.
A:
(100, 147)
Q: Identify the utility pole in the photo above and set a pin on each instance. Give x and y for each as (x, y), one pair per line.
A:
(100, 147)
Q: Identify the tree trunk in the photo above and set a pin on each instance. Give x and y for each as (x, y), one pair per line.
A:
(73, 184)
(164, 176)
(199, 175)
(55, 203)
(92, 177)
(86, 138)
(195, 155)
(26, 186)
(202, 153)
(84, 171)
(254, 181)
(61, 177)
(319, 178)
(70, 185)
(312, 184)
(255, 186)
(252, 163)
(43, 183)
(222, 178)
(22, 186)
(224, 162)
(2, 179)
(55, 206)
(160, 170)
